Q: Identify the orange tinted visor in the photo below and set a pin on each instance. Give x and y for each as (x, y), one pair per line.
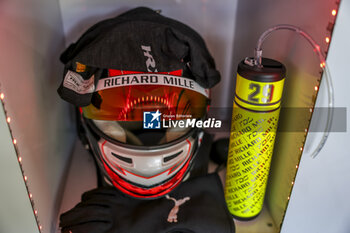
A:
(127, 97)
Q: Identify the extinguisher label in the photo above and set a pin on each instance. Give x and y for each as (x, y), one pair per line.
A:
(253, 131)
(258, 96)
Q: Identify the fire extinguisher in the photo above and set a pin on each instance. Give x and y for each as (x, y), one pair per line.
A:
(253, 130)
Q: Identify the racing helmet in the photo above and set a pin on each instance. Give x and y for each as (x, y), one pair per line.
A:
(142, 131)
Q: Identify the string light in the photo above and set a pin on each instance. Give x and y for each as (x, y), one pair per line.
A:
(19, 158)
(322, 65)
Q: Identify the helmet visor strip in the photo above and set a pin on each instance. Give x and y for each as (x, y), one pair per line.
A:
(127, 97)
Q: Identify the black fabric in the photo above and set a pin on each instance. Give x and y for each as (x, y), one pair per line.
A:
(106, 210)
(201, 161)
(219, 151)
(116, 44)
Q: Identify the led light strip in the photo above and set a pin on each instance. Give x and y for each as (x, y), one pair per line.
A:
(327, 40)
(20, 161)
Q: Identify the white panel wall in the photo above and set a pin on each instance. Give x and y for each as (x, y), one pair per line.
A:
(30, 42)
(320, 198)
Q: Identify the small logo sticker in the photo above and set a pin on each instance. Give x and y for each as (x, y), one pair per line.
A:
(172, 217)
(150, 62)
(151, 120)
(80, 67)
(75, 82)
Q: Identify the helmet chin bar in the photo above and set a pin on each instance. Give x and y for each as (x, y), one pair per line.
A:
(116, 162)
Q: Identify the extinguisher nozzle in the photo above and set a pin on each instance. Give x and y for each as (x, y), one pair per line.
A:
(258, 57)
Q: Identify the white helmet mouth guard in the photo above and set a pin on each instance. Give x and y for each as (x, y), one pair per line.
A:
(137, 170)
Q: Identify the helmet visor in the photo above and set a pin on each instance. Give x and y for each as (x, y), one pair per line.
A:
(127, 97)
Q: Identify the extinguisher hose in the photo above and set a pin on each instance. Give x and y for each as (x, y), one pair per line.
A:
(323, 64)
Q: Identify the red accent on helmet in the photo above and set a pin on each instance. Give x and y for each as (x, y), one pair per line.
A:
(122, 170)
(157, 191)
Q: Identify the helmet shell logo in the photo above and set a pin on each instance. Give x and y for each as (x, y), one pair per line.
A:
(151, 120)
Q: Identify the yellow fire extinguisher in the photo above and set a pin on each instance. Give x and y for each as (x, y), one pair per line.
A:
(253, 130)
